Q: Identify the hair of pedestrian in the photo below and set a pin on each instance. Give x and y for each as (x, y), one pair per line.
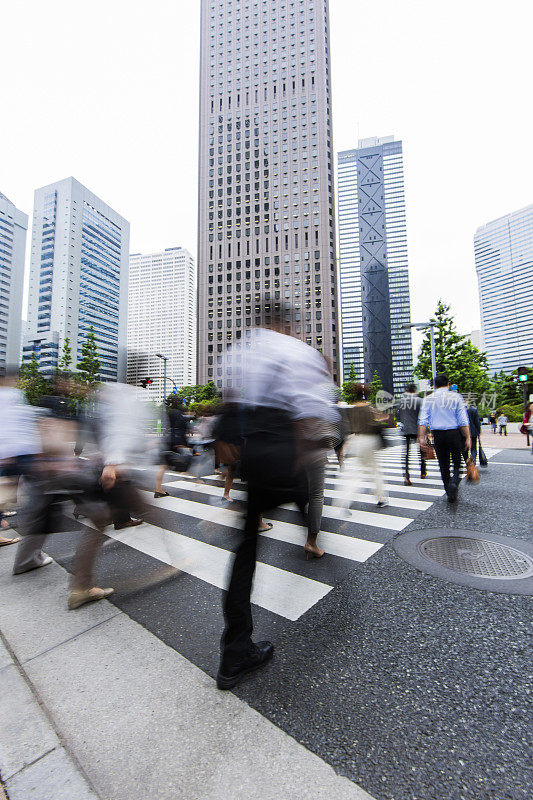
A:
(441, 380)
(360, 392)
(410, 387)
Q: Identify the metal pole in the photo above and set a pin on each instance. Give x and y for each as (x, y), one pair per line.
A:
(164, 379)
(433, 359)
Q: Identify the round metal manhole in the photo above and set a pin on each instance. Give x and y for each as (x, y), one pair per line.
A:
(484, 559)
(471, 558)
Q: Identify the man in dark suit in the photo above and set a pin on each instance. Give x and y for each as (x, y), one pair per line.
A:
(475, 429)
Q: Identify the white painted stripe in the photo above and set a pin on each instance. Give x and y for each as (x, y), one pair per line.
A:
(509, 464)
(390, 473)
(225, 516)
(236, 494)
(277, 590)
(333, 543)
(425, 491)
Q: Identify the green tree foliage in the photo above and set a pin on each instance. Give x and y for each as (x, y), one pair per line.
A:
(352, 377)
(66, 356)
(507, 389)
(455, 355)
(348, 392)
(89, 364)
(375, 386)
(32, 382)
(201, 393)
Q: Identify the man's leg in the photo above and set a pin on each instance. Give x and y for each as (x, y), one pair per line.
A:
(457, 445)
(35, 516)
(407, 444)
(90, 541)
(237, 636)
(442, 451)
(473, 449)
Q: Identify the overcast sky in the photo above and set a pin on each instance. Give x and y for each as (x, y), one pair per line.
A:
(107, 91)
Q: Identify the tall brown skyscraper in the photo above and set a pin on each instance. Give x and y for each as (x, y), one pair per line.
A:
(266, 203)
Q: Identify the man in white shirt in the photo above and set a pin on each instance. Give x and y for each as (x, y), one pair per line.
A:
(282, 382)
(502, 424)
(444, 413)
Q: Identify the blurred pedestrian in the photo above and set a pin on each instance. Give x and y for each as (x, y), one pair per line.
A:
(492, 421)
(173, 440)
(474, 424)
(19, 442)
(444, 413)
(502, 424)
(409, 410)
(363, 444)
(276, 372)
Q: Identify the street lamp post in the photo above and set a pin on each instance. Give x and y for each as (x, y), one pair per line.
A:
(422, 326)
(165, 359)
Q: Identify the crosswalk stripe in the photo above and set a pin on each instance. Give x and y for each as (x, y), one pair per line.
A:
(284, 593)
(236, 494)
(388, 475)
(333, 543)
(217, 514)
(424, 491)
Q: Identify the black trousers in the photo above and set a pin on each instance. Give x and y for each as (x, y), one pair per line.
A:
(411, 438)
(269, 464)
(449, 446)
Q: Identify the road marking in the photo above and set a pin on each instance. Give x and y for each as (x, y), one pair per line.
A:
(234, 518)
(334, 543)
(284, 593)
(236, 494)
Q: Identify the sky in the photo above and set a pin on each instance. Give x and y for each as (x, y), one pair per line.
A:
(107, 91)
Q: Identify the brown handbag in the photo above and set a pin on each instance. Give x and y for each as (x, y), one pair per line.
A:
(472, 472)
(427, 450)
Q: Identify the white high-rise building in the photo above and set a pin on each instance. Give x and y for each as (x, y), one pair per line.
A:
(266, 225)
(13, 227)
(374, 274)
(78, 278)
(162, 319)
(504, 265)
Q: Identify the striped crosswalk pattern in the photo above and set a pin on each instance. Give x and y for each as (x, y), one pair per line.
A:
(193, 529)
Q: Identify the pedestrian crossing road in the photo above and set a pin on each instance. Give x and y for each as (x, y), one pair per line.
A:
(168, 572)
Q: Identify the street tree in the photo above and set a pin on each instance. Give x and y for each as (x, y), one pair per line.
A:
(89, 363)
(32, 381)
(66, 356)
(455, 355)
(352, 377)
(376, 386)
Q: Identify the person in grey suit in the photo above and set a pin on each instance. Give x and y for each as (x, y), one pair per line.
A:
(409, 409)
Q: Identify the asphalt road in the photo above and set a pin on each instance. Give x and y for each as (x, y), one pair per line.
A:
(413, 687)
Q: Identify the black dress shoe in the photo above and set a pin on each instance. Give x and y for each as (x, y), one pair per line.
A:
(261, 653)
(452, 492)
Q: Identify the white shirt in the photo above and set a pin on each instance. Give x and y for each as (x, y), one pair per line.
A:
(19, 435)
(282, 372)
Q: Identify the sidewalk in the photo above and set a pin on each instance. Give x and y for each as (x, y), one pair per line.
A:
(94, 706)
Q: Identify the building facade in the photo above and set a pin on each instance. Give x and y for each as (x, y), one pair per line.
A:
(78, 278)
(504, 263)
(374, 275)
(13, 228)
(162, 319)
(266, 228)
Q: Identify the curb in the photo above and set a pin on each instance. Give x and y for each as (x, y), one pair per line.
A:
(34, 764)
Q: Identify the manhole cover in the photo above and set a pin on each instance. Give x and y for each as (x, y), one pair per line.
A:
(478, 557)
(471, 558)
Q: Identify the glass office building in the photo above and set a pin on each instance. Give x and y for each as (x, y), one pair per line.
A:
(162, 319)
(78, 278)
(13, 228)
(374, 277)
(504, 263)
(266, 227)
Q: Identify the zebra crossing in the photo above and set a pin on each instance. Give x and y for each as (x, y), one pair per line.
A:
(193, 530)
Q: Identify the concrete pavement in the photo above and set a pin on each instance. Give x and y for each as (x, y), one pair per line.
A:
(95, 706)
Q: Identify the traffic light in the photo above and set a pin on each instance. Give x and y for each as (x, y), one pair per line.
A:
(522, 374)
(146, 382)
